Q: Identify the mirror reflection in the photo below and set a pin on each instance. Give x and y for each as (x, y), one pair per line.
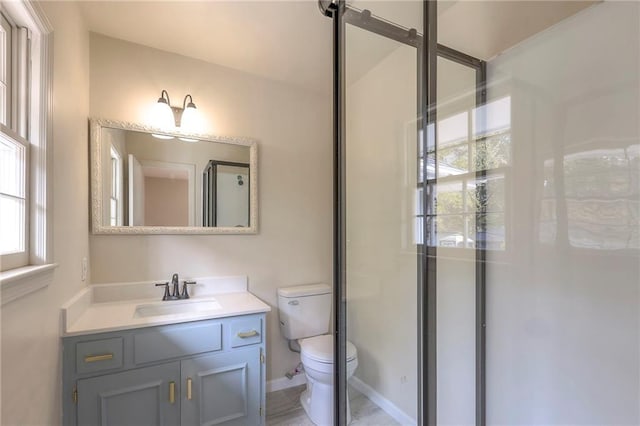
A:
(147, 181)
(225, 194)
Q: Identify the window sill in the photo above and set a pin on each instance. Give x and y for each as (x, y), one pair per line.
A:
(19, 282)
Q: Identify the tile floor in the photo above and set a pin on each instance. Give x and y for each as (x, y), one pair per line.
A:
(284, 409)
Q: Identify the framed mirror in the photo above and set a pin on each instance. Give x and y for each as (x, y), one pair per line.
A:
(149, 181)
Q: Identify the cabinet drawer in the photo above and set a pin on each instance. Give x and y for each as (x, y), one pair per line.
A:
(176, 341)
(99, 355)
(245, 332)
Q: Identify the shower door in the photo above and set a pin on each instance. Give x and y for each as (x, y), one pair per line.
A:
(377, 233)
(403, 194)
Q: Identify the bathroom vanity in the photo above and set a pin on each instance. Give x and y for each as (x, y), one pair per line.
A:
(188, 362)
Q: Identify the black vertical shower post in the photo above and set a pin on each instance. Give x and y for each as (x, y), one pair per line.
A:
(421, 249)
(427, 327)
(335, 9)
(481, 257)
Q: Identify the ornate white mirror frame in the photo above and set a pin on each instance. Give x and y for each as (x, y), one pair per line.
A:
(100, 223)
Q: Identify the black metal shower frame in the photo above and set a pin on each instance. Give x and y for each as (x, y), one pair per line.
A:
(210, 190)
(427, 54)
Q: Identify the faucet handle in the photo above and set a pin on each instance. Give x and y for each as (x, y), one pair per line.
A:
(166, 290)
(185, 292)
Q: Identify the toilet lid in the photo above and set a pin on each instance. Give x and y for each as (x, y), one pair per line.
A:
(320, 348)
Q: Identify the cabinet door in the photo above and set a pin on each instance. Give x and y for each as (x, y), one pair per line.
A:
(225, 389)
(141, 397)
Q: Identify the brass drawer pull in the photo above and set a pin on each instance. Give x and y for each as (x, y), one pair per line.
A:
(95, 358)
(172, 392)
(189, 382)
(247, 334)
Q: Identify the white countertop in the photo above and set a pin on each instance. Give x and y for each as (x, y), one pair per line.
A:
(98, 309)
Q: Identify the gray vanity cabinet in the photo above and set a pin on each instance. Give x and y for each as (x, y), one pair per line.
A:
(197, 373)
(220, 389)
(140, 397)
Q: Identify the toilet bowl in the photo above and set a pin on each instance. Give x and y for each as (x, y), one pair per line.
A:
(304, 316)
(317, 358)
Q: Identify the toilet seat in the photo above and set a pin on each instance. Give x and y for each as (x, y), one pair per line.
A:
(320, 349)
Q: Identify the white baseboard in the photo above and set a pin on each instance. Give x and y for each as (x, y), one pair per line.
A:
(284, 383)
(387, 406)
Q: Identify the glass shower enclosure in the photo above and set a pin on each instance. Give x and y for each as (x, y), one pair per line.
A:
(487, 221)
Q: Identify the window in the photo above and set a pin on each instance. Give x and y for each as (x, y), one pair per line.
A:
(115, 199)
(13, 200)
(25, 241)
(6, 32)
(14, 146)
(468, 142)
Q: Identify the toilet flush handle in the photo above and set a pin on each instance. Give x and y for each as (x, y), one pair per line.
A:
(294, 302)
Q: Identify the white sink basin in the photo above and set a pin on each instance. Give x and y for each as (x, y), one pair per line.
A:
(174, 307)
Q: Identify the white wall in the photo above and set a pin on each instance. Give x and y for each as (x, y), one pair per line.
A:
(562, 326)
(31, 366)
(293, 127)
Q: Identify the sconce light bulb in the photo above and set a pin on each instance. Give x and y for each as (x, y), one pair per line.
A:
(162, 115)
(190, 121)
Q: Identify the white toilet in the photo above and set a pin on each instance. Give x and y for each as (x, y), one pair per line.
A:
(305, 312)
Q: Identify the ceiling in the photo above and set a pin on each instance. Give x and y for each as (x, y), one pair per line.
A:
(281, 40)
(291, 41)
(485, 29)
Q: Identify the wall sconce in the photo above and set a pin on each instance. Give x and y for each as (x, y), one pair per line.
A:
(167, 116)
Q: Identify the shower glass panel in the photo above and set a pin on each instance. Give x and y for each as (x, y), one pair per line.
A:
(538, 201)
(456, 188)
(381, 163)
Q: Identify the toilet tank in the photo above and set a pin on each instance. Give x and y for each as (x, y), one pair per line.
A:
(304, 310)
